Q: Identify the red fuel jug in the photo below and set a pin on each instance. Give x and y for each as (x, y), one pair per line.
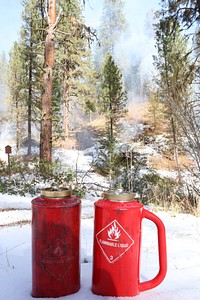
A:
(117, 240)
(55, 244)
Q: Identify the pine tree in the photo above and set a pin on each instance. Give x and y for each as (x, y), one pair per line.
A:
(175, 74)
(112, 102)
(112, 27)
(32, 49)
(155, 113)
(74, 72)
(65, 36)
(16, 76)
(186, 109)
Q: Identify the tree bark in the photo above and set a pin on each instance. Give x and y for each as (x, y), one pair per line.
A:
(30, 100)
(17, 126)
(66, 111)
(176, 156)
(46, 117)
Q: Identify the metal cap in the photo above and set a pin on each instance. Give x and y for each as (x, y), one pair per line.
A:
(121, 197)
(56, 192)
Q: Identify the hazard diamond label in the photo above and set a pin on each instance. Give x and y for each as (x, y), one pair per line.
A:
(114, 241)
(58, 259)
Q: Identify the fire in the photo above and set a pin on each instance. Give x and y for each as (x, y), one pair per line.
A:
(114, 232)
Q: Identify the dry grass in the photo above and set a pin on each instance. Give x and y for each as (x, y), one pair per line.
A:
(98, 124)
(163, 163)
(137, 111)
(69, 143)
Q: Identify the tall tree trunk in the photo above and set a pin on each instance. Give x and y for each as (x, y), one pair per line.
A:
(66, 112)
(30, 100)
(46, 117)
(176, 156)
(17, 126)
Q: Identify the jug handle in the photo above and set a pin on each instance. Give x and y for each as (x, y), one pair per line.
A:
(146, 285)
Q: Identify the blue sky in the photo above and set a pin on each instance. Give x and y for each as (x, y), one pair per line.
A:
(10, 20)
(135, 10)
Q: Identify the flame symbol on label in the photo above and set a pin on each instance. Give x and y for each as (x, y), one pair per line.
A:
(114, 232)
(57, 251)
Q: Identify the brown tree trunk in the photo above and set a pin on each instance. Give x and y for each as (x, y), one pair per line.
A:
(30, 102)
(46, 117)
(17, 127)
(66, 112)
(176, 156)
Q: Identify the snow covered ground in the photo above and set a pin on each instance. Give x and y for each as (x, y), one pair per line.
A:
(183, 248)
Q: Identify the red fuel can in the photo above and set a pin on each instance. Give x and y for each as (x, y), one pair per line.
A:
(117, 240)
(55, 244)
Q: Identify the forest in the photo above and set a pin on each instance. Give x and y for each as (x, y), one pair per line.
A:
(65, 87)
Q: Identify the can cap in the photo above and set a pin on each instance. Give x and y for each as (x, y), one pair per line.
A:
(116, 196)
(57, 192)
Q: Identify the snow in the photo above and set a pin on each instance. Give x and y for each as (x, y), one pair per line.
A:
(182, 232)
(183, 248)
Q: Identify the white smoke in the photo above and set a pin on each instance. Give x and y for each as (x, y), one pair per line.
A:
(136, 46)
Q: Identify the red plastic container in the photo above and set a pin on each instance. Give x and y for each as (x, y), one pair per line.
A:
(117, 240)
(55, 244)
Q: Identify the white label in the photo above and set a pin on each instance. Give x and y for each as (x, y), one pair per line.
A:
(114, 241)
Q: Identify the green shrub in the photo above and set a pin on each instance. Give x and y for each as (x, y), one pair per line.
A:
(163, 192)
(30, 177)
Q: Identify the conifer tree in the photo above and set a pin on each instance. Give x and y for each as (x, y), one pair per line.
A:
(63, 36)
(184, 104)
(112, 102)
(32, 49)
(112, 27)
(175, 74)
(74, 72)
(155, 112)
(65, 41)
(16, 77)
